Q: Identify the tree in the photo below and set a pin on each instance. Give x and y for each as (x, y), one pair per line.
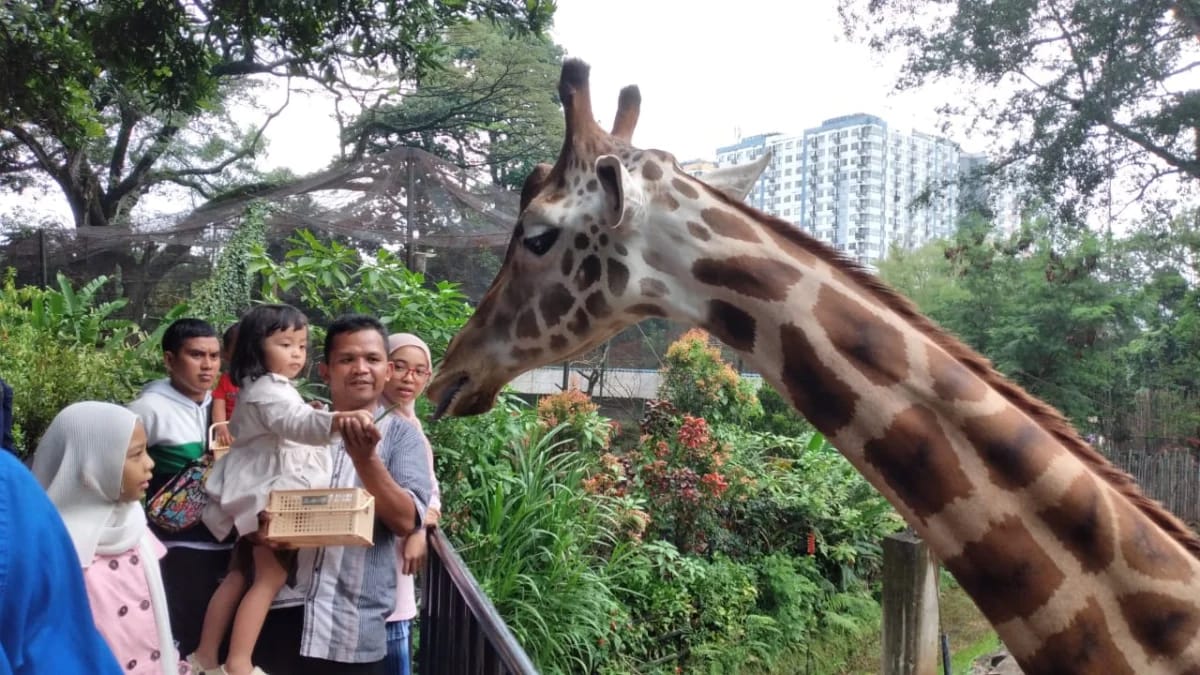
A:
(492, 104)
(1077, 93)
(112, 98)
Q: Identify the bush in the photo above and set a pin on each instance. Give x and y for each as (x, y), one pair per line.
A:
(698, 382)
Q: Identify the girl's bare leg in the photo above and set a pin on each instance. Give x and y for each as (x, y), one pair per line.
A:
(217, 618)
(269, 577)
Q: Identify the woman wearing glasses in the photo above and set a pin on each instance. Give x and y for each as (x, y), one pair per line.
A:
(413, 366)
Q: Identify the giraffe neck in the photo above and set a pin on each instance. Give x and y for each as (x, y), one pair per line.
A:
(1077, 571)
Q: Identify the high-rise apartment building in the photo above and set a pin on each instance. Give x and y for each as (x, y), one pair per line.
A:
(857, 184)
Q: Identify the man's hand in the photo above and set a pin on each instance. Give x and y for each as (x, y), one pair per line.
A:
(259, 538)
(359, 433)
(415, 546)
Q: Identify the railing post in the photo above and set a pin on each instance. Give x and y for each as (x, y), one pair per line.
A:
(910, 607)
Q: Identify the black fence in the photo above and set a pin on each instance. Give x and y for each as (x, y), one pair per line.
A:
(460, 631)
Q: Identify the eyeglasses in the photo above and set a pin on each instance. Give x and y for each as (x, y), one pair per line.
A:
(402, 369)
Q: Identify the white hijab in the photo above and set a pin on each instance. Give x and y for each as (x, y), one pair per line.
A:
(80, 462)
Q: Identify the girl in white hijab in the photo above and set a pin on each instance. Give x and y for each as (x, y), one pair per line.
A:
(93, 464)
(413, 366)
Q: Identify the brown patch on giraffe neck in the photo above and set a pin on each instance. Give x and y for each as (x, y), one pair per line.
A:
(618, 277)
(917, 460)
(1145, 551)
(651, 170)
(952, 381)
(653, 288)
(1086, 645)
(807, 251)
(1082, 521)
(1015, 450)
(816, 391)
(667, 201)
(597, 305)
(754, 277)
(1006, 572)
(698, 231)
(1163, 624)
(580, 324)
(731, 324)
(588, 274)
(872, 346)
(523, 355)
(527, 325)
(729, 224)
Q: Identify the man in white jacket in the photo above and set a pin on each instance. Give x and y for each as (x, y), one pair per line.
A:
(175, 412)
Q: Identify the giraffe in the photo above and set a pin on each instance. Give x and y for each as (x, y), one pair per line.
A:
(1075, 568)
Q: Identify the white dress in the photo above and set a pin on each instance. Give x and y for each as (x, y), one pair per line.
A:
(280, 443)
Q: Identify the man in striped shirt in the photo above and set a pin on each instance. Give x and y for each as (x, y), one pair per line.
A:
(333, 620)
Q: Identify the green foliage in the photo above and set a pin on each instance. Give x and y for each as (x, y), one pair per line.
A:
(226, 293)
(1087, 89)
(328, 279)
(779, 417)
(63, 346)
(103, 96)
(490, 97)
(698, 382)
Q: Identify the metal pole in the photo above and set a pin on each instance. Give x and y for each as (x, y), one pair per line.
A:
(408, 220)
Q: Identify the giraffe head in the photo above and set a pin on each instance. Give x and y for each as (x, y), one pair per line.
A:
(569, 280)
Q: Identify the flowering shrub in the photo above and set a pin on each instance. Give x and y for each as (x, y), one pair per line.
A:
(589, 432)
(698, 382)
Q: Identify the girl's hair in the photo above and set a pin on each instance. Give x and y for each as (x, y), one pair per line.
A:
(249, 362)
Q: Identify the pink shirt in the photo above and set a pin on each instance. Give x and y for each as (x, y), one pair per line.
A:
(120, 599)
(406, 598)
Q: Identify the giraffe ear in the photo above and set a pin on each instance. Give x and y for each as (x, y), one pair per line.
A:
(737, 180)
(623, 197)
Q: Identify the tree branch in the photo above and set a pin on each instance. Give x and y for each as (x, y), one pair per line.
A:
(43, 158)
(117, 164)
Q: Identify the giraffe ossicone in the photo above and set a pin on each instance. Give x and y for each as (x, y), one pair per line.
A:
(1077, 570)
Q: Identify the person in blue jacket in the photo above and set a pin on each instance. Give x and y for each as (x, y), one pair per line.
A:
(46, 625)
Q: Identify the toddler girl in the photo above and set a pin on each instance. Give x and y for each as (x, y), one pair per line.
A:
(93, 464)
(280, 443)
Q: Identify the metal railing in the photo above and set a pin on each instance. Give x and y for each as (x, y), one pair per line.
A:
(460, 631)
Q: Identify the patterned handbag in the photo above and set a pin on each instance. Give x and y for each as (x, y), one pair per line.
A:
(178, 504)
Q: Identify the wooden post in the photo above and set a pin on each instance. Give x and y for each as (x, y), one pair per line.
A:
(910, 607)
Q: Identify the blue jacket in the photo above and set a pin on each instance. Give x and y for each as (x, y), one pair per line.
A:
(46, 625)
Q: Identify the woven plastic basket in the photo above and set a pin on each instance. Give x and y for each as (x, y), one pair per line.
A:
(328, 517)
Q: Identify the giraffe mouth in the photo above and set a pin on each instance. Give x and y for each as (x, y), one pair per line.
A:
(448, 397)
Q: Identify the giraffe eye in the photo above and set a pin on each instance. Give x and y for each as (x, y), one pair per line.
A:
(540, 243)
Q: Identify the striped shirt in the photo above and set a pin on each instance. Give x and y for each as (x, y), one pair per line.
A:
(349, 591)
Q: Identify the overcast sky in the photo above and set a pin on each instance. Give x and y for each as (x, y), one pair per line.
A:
(705, 71)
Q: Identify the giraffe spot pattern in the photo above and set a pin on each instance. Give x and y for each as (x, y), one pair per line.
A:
(594, 229)
(1015, 449)
(603, 239)
(684, 188)
(568, 262)
(651, 170)
(1084, 646)
(620, 249)
(698, 231)
(527, 325)
(524, 355)
(618, 277)
(589, 272)
(580, 323)
(646, 309)
(667, 201)
(730, 323)
(555, 303)
(1146, 549)
(593, 185)
(582, 241)
(653, 288)
(813, 387)
(597, 305)
(872, 346)
(656, 260)
(1163, 624)
(557, 343)
(918, 462)
(1082, 522)
(729, 224)
(761, 278)
(1006, 572)
(952, 380)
